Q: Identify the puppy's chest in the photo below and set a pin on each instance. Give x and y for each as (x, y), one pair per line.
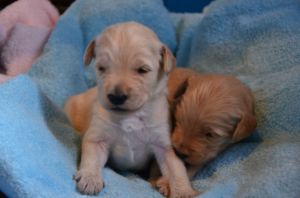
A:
(131, 146)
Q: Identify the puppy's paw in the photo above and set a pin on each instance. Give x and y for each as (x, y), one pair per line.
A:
(184, 193)
(162, 186)
(88, 183)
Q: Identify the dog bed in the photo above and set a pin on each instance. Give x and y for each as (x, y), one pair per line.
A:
(256, 41)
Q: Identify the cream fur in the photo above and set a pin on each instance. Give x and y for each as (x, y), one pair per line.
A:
(127, 138)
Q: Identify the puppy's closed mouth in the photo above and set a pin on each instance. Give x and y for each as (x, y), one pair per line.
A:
(119, 109)
(123, 110)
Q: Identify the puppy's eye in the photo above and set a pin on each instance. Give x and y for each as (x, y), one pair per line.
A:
(209, 135)
(101, 69)
(143, 70)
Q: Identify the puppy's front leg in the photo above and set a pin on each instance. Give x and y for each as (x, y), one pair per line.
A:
(174, 172)
(93, 158)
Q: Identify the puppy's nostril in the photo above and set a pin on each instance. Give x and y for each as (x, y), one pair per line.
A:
(117, 99)
(181, 155)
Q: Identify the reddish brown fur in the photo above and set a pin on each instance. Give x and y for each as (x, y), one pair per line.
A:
(210, 113)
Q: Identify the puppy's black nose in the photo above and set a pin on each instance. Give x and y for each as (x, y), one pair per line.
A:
(117, 99)
(181, 155)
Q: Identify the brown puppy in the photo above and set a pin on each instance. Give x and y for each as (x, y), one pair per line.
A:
(210, 112)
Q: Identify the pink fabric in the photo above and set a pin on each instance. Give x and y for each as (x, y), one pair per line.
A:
(24, 28)
(4, 78)
(38, 13)
(23, 45)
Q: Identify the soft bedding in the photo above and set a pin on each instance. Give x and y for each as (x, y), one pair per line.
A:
(256, 41)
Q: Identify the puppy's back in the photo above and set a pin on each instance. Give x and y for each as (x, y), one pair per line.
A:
(214, 89)
(213, 100)
(78, 109)
(227, 104)
(224, 90)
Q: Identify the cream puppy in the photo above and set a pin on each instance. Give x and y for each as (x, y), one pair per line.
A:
(130, 117)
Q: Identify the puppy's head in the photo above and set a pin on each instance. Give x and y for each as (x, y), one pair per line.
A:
(209, 116)
(131, 66)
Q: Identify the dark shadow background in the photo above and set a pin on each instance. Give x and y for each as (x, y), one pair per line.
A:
(172, 5)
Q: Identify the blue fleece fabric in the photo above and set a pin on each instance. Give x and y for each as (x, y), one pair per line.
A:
(257, 41)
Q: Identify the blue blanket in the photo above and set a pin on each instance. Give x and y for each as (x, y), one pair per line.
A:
(257, 41)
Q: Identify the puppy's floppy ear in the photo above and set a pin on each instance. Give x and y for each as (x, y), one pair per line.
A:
(245, 127)
(181, 90)
(89, 53)
(177, 86)
(168, 61)
(175, 98)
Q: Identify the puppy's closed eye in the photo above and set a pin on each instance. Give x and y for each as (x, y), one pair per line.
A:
(209, 135)
(101, 69)
(143, 69)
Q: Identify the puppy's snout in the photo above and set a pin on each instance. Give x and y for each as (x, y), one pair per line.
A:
(118, 97)
(181, 155)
